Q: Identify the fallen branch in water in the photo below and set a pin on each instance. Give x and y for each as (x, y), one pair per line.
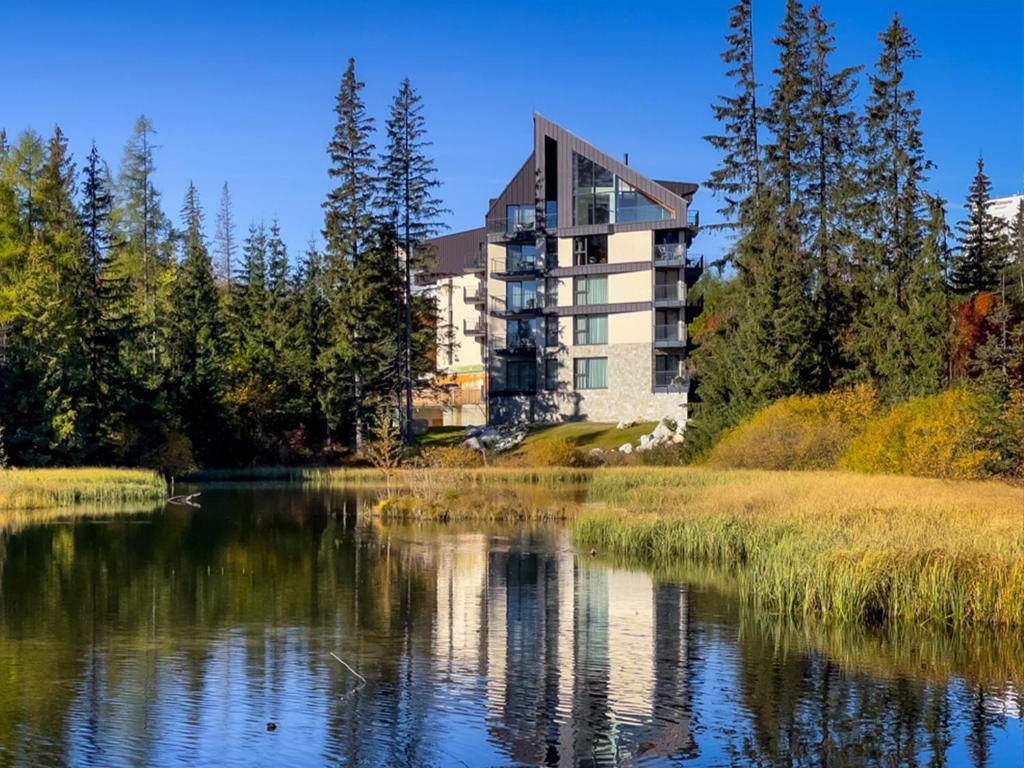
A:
(185, 500)
(344, 664)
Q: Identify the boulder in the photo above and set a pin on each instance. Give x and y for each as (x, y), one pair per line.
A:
(595, 451)
(626, 448)
(474, 430)
(473, 444)
(662, 432)
(625, 424)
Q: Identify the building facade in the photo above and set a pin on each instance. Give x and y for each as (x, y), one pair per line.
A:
(579, 282)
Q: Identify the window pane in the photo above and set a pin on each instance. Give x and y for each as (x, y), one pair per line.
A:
(598, 329)
(551, 373)
(551, 331)
(598, 372)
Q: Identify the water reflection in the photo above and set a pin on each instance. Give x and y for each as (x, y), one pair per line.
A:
(174, 638)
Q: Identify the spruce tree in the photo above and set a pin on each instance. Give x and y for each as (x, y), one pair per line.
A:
(892, 223)
(1015, 255)
(313, 322)
(348, 228)
(195, 338)
(413, 212)
(983, 246)
(833, 138)
(738, 175)
(225, 240)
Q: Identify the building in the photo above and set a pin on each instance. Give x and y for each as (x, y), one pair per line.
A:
(1005, 208)
(575, 292)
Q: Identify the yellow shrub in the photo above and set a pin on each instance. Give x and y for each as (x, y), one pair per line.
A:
(453, 457)
(555, 453)
(936, 436)
(799, 432)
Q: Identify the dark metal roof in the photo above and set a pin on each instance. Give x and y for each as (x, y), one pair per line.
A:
(452, 254)
(682, 188)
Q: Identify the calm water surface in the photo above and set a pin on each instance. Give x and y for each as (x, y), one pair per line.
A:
(176, 637)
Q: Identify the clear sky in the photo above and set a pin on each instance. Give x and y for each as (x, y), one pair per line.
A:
(244, 92)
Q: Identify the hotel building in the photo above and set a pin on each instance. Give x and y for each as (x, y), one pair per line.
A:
(571, 302)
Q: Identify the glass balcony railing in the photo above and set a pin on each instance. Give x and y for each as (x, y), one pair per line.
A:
(667, 292)
(692, 218)
(669, 332)
(475, 328)
(669, 252)
(528, 303)
(475, 296)
(670, 378)
(513, 265)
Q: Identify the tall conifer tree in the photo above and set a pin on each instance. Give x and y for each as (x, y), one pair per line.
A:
(983, 243)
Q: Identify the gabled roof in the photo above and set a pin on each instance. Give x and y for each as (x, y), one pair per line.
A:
(451, 254)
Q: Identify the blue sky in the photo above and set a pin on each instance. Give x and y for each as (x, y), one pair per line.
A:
(244, 92)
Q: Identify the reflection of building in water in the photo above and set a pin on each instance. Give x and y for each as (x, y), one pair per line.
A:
(582, 662)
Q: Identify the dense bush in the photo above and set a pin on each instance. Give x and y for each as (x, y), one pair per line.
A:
(799, 432)
(555, 453)
(668, 455)
(938, 436)
(452, 457)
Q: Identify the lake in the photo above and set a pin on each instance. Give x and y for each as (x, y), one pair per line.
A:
(277, 626)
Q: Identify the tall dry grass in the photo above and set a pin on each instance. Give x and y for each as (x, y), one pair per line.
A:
(837, 545)
(42, 488)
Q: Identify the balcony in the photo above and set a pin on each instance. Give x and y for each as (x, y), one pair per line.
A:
(671, 380)
(524, 306)
(510, 267)
(477, 297)
(694, 268)
(668, 294)
(521, 220)
(514, 345)
(475, 264)
(670, 335)
(477, 329)
(669, 254)
(694, 308)
(692, 218)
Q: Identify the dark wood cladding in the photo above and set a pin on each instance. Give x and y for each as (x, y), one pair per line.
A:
(453, 254)
(600, 269)
(520, 191)
(599, 309)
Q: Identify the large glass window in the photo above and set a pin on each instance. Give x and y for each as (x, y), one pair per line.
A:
(550, 373)
(590, 373)
(668, 370)
(521, 333)
(590, 249)
(591, 289)
(521, 295)
(520, 257)
(591, 329)
(550, 331)
(520, 218)
(667, 326)
(601, 197)
(521, 375)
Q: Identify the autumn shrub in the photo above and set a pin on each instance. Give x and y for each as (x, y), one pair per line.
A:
(453, 457)
(798, 432)
(555, 453)
(668, 455)
(936, 436)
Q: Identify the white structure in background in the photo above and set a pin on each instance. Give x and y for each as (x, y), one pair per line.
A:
(1005, 208)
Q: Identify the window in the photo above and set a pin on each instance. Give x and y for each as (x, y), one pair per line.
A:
(520, 257)
(591, 289)
(590, 373)
(601, 197)
(668, 370)
(590, 249)
(666, 325)
(520, 375)
(521, 295)
(520, 218)
(551, 292)
(550, 373)
(522, 333)
(551, 214)
(550, 331)
(591, 329)
(666, 285)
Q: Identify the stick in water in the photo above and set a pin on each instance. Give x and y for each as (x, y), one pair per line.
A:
(342, 662)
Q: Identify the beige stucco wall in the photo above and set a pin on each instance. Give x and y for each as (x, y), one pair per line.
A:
(624, 247)
(467, 352)
(629, 286)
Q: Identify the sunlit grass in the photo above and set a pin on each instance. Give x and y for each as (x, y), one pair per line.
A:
(48, 488)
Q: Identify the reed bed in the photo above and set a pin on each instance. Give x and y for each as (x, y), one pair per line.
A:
(839, 546)
(22, 489)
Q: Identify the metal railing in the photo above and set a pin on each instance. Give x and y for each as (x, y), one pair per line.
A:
(477, 296)
(667, 292)
(478, 328)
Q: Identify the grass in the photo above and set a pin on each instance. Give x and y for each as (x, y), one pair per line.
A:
(22, 489)
(839, 546)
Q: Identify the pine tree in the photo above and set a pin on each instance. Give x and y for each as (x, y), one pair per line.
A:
(313, 322)
(413, 213)
(195, 338)
(738, 176)
(348, 228)
(982, 241)
(1015, 255)
(225, 240)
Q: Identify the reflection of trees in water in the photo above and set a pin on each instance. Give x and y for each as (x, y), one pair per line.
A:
(122, 632)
